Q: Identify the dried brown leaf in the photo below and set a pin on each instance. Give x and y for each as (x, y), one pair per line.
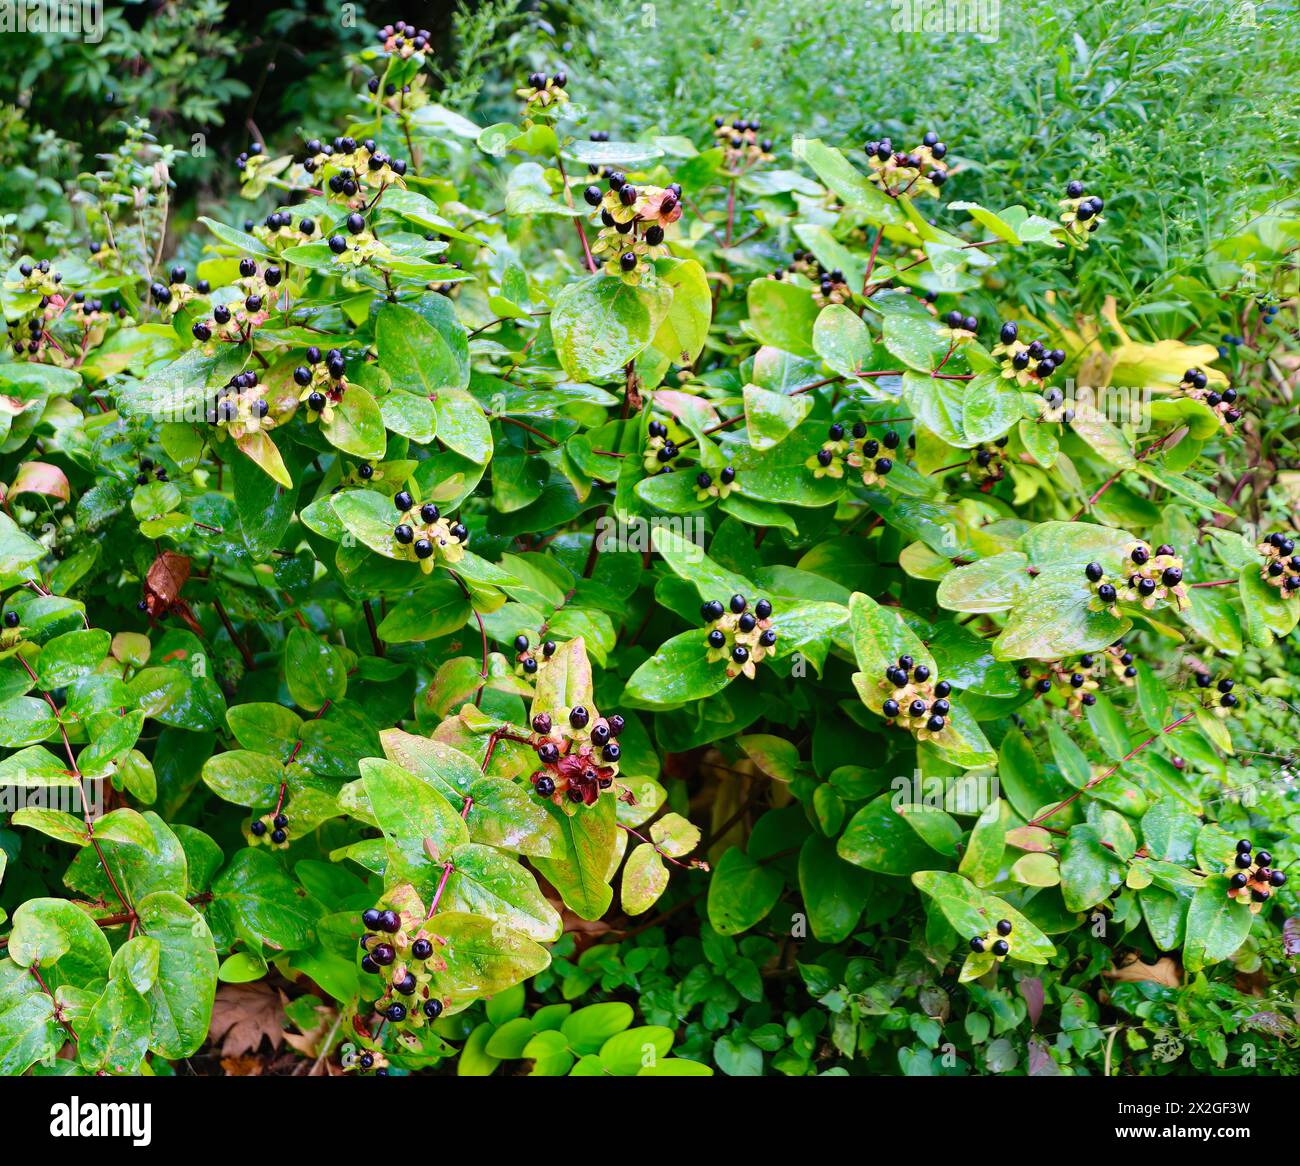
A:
(1133, 971)
(243, 1014)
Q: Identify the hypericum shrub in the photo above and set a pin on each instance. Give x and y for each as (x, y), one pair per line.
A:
(376, 604)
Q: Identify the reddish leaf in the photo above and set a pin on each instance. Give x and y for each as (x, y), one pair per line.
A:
(41, 478)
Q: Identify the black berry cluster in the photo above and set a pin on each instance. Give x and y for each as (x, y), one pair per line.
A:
(1281, 567)
(634, 219)
(541, 91)
(372, 1062)
(987, 463)
(1254, 877)
(1227, 403)
(876, 457)
(241, 406)
(423, 533)
(232, 322)
(39, 277)
(578, 754)
(271, 829)
(660, 448)
(742, 148)
(148, 471)
(402, 39)
(916, 700)
(70, 315)
(740, 635)
(278, 227)
(1027, 364)
(397, 946)
(347, 167)
(1080, 213)
(321, 382)
(999, 947)
(1148, 578)
(1076, 681)
(1224, 699)
(961, 328)
(916, 171)
(708, 485)
(526, 662)
(829, 284)
(255, 151)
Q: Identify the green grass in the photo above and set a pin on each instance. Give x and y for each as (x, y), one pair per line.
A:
(1186, 120)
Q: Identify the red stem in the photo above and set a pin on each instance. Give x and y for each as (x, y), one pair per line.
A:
(1102, 777)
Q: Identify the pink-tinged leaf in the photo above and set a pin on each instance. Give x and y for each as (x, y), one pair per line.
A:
(41, 478)
(266, 454)
(1291, 936)
(1040, 1059)
(688, 409)
(1034, 839)
(1031, 988)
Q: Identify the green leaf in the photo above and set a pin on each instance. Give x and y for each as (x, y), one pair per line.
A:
(992, 584)
(971, 912)
(449, 771)
(462, 426)
(63, 940)
(415, 354)
(29, 1031)
(681, 336)
(505, 816)
(313, 669)
(116, 1034)
(589, 1028)
(17, 552)
(356, 425)
(833, 890)
(741, 892)
(676, 674)
(71, 656)
(247, 779)
(645, 878)
(627, 1054)
(24, 720)
(770, 417)
(482, 957)
(783, 315)
(878, 838)
(181, 996)
(255, 898)
(1089, 872)
(1216, 925)
(850, 186)
(35, 766)
(601, 323)
(265, 728)
(264, 495)
(841, 339)
(580, 870)
(422, 827)
(982, 862)
(486, 882)
(1058, 616)
(1169, 831)
(242, 242)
